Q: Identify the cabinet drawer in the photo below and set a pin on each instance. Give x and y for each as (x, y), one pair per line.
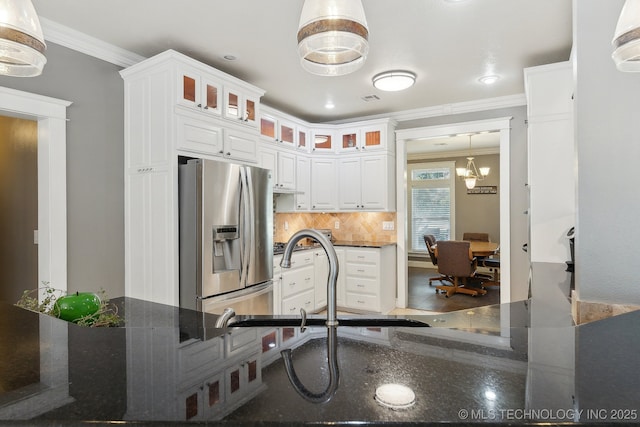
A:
(199, 358)
(362, 302)
(298, 280)
(301, 258)
(363, 285)
(291, 306)
(362, 270)
(371, 256)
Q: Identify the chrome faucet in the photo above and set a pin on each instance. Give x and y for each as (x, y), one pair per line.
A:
(332, 317)
(331, 322)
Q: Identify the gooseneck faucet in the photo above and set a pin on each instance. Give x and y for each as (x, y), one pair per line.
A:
(332, 316)
(331, 322)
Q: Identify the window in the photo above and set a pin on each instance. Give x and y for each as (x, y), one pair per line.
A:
(431, 202)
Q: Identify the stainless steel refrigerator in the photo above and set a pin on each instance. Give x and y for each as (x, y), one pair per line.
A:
(226, 237)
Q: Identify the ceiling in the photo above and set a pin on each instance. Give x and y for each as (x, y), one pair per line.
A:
(447, 44)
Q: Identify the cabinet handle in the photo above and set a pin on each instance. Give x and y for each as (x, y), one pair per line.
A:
(228, 153)
(360, 256)
(364, 148)
(292, 284)
(221, 152)
(206, 107)
(360, 271)
(360, 302)
(360, 286)
(292, 309)
(199, 105)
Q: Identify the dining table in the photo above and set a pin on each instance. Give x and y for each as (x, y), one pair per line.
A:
(479, 249)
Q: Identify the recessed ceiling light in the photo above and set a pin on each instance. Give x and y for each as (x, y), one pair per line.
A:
(329, 105)
(489, 80)
(392, 81)
(230, 57)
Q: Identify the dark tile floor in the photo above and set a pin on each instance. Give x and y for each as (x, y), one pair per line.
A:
(424, 297)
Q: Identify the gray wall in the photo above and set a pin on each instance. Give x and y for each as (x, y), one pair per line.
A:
(607, 107)
(519, 200)
(95, 161)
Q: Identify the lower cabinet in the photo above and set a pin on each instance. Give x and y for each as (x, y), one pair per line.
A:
(370, 279)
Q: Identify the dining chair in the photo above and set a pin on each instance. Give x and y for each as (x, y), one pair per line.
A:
(430, 241)
(456, 261)
(476, 237)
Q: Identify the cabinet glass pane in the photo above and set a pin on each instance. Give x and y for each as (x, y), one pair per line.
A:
(253, 371)
(191, 409)
(288, 333)
(234, 383)
(232, 105)
(268, 341)
(322, 141)
(212, 97)
(302, 139)
(188, 88)
(372, 138)
(267, 128)
(250, 110)
(349, 140)
(286, 134)
(214, 393)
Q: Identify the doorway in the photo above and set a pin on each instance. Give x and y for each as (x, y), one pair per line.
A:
(19, 202)
(51, 117)
(499, 125)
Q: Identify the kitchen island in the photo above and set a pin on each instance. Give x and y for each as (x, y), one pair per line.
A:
(172, 366)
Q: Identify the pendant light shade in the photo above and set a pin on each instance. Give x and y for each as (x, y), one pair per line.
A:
(626, 40)
(21, 40)
(332, 37)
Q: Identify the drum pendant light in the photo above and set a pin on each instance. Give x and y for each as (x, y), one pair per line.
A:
(626, 41)
(21, 40)
(332, 37)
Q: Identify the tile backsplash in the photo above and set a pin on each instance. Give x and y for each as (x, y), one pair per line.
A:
(354, 226)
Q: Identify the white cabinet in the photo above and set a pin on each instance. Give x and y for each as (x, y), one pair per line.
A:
(240, 106)
(278, 130)
(366, 183)
(370, 279)
(323, 184)
(322, 140)
(303, 184)
(550, 140)
(297, 284)
(364, 137)
(321, 270)
(173, 107)
(282, 165)
(199, 91)
(304, 140)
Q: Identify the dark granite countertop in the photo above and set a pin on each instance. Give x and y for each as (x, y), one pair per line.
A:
(362, 243)
(168, 366)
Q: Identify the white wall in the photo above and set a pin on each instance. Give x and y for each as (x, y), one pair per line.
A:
(607, 108)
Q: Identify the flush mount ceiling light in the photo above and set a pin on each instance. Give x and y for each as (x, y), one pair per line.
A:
(392, 81)
(21, 40)
(626, 40)
(332, 37)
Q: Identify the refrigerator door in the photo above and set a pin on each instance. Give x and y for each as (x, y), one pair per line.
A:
(258, 226)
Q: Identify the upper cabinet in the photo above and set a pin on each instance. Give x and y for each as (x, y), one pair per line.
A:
(278, 130)
(322, 141)
(365, 137)
(240, 106)
(199, 91)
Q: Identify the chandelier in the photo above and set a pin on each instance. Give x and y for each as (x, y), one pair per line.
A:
(332, 37)
(626, 40)
(471, 174)
(21, 41)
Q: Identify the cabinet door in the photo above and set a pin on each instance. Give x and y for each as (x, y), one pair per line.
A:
(321, 267)
(269, 160)
(199, 136)
(349, 140)
(210, 96)
(342, 259)
(189, 90)
(288, 134)
(286, 170)
(323, 184)
(269, 128)
(240, 146)
(374, 192)
(297, 280)
(232, 104)
(303, 139)
(303, 183)
(322, 141)
(250, 110)
(373, 137)
(349, 183)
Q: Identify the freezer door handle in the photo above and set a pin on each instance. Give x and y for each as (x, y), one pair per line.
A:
(247, 220)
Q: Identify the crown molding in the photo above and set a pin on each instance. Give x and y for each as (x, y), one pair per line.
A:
(81, 42)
